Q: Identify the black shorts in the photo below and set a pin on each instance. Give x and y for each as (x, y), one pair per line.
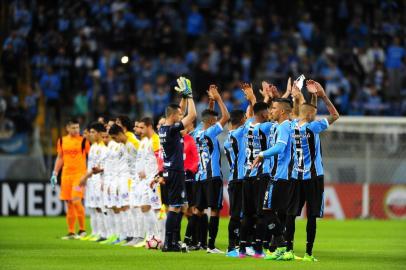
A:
(209, 193)
(189, 185)
(175, 183)
(164, 194)
(253, 193)
(235, 198)
(277, 195)
(310, 191)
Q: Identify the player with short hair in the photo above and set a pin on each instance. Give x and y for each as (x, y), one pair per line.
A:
(277, 192)
(235, 151)
(92, 181)
(174, 173)
(72, 151)
(122, 160)
(307, 173)
(147, 167)
(209, 184)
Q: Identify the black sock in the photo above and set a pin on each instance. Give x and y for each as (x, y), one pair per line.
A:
(188, 233)
(169, 227)
(233, 233)
(290, 232)
(311, 234)
(204, 223)
(196, 230)
(282, 220)
(260, 233)
(177, 227)
(246, 229)
(213, 230)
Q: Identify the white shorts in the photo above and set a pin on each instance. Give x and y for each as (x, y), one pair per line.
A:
(111, 195)
(134, 194)
(98, 195)
(89, 194)
(156, 202)
(123, 190)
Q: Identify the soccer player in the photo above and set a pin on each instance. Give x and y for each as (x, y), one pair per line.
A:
(307, 174)
(147, 170)
(234, 147)
(209, 184)
(72, 150)
(124, 157)
(275, 201)
(92, 180)
(174, 173)
(257, 133)
(191, 162)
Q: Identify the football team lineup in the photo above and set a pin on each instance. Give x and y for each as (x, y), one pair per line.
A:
(138, 184)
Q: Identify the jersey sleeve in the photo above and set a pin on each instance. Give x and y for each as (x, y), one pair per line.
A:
(87, 147)
(266, 127)
(319, 125)
(283, 133)
(155, 143)
(177, 127)
(59, 147)
(214, 130)
(134, 142)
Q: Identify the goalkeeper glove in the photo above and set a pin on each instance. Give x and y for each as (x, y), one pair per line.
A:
(184, 87)
(53, 180)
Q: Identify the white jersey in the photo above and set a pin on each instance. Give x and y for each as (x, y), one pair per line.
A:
(131, 152)
(146, 160)
(96, 154)
(110, 170)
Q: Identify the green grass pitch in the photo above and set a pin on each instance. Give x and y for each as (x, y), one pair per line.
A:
(33, 243)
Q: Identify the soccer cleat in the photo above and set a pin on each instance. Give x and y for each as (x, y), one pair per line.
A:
(120, 242)
(116, 242)
(94, 238)
(101, 239)
(250, 251)
(288, 256)
(194, 248)
(184, 248)
(140, 244)
(276, 255)
(242, 255)
(109, 240)
(69, 236)
(214, 251)
(309, 258)
(81, 234)
(259, 255)
(233, 253)
(86, 238)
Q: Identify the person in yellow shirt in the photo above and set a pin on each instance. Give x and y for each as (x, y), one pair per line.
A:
(72, 150)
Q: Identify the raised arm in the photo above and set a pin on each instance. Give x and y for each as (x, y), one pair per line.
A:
(183, 105)
(298, 100)
(249, 95)
(212, 102)
(334, 115)
(225, 116)
(288, 89)
(191, 113)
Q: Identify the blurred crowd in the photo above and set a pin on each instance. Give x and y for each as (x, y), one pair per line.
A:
(107, 57)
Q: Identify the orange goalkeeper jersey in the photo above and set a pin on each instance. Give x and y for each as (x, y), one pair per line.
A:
(74, 151)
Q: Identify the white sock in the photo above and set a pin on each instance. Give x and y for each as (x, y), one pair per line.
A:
(112, 222)
(161, 227)
(124, 224)
(93, 221)
(141, 225)
(117, 222)
(99, 218)
(150, 222)
(134, 222)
